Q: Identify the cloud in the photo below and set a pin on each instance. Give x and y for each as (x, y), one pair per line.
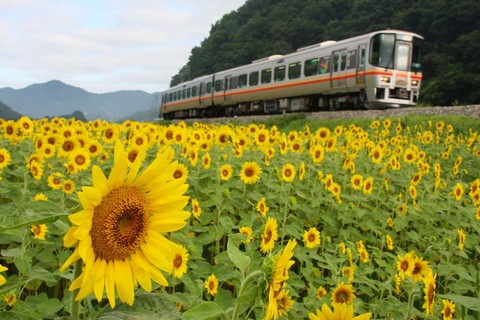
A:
(102, 46)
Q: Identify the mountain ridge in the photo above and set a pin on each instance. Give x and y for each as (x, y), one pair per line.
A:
(54, 98)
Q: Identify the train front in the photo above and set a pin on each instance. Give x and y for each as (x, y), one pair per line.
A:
(393, 72)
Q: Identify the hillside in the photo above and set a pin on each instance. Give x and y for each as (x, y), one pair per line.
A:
(264, 27)
(55, 98)
(6, 113)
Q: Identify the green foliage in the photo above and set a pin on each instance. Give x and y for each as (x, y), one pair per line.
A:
(261, 28)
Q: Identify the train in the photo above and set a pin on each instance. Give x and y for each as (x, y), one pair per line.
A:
(380, 69)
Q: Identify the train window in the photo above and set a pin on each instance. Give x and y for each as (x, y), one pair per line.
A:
(209, 87)
(218, 85)
(242, 80)
(184, 93)
(253, 78)
(189, 92)
(194, 91)
(343, 62)
(311, 67)
(416, 55)
(351, 59)
(324, 65)
(361, 57)
(179, 94)
(170, 96)
(381, 52)
(266, 75)
(402, 53)
(279, 73)
(336, 58)
(294, 70)
(233, 83)
(175, 96)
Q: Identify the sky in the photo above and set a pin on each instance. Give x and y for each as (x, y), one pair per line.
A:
(102, 45)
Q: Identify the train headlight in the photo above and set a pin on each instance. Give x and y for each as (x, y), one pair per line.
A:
(385, 79)
(414, 82)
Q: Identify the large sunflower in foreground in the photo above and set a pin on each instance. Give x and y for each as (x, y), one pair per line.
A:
(340, 312)
(119, 231)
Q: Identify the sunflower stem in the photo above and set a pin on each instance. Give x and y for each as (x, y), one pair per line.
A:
(252, 276)
(77, 269)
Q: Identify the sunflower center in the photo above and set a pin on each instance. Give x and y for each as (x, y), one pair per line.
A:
(404, 265)
(119, 223)
(177, 174)
(177, 262)
(311, 237)
(68, 146)
(249, 172)
(342, 297)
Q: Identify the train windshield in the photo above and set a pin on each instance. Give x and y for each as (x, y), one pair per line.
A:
(395, 51)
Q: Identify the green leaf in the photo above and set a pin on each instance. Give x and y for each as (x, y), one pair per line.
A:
(240, 259)
(248, 296)
(38, 307)
(42, 274)
(204, 311)
(148, 306)
(32, 212)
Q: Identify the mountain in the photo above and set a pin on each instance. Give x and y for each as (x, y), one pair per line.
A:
(6, 113)
(55, 98)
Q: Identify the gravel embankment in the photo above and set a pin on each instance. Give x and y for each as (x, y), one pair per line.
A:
(470, 111)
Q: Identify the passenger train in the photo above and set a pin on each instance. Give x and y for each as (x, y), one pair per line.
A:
(380, 69)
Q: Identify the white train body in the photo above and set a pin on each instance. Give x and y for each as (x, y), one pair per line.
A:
(376, 70)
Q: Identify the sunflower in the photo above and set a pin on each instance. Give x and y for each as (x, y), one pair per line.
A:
(389, 241)
(301, 171)
(269, 236)
(2, 278)
(226, 172)
(340, 312)
(66, 146)
(448, 309)
(206, 161)
(349, 272)
(421, 269)
(10, 299)
(80, 159)
(458, 192)
(318, 154)
(247, 231)
(211, 285)
(377, 155)
(461, 238)
(277, 281)
(250, 172)
(311, 238)
(5, 158)
(180, 172)
(357, 181)
(40, 197)
(430, 291)
(405, 264)
(262, 206)
(36, 170)
(68, 186)
(368, 185)
(180, 261)
(409, 156)
(39, 231)
(343, 294)
(119, 231)
(196, 209)
(54, 180)
(321, 292)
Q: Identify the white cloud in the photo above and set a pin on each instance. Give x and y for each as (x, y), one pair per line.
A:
(102, 46)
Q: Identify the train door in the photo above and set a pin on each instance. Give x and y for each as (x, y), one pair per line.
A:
(228, 80)
(201, 92)
(339, 69)
(362, 49)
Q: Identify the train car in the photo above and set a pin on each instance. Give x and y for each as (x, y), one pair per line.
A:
(380, 69)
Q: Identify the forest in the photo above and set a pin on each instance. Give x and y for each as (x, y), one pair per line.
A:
(264, 27)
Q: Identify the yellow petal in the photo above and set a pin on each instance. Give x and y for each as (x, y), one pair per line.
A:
(74, 257)
(93, 195)
(99, 282)
(158, 277)
(99, 180)
(124, 281)
(168, 190)
(110, 284)
(87, 283)
(141, 270)
(2, 280)
(68, 239)
(85, 248)
(136, 166)
(77, 283)
(167, 224)
(176, 204)
(83, 230)
(119, 170)
(81, 217)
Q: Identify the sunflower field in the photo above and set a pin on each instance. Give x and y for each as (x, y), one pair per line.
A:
(372, 219)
